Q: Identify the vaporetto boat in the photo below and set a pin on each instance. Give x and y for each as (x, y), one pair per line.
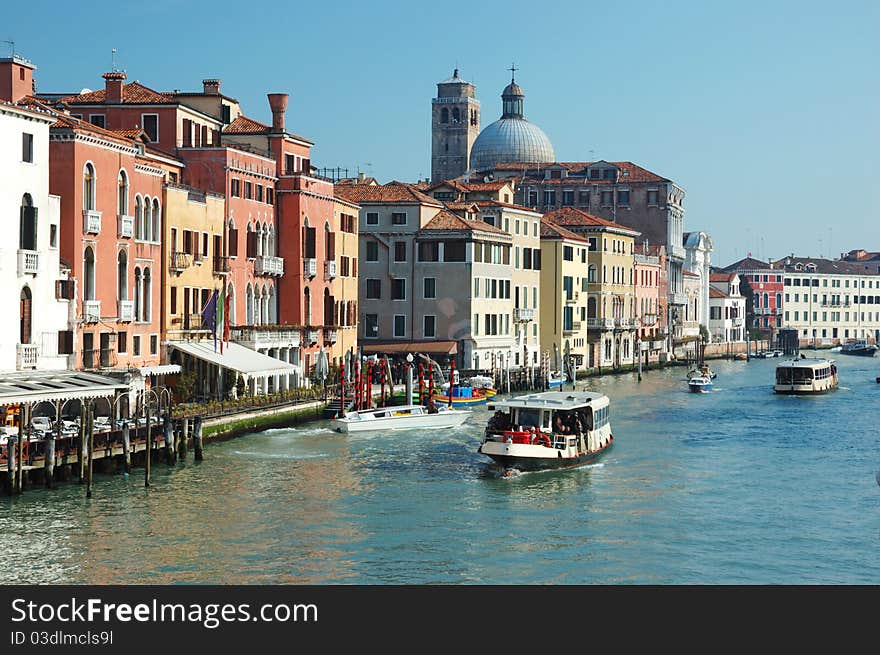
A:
(806, 375)
(553, 429)
(401, 417)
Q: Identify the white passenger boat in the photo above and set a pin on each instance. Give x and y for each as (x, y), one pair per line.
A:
(806, 375)
(700, 383)
(552, 429)
(402, 417)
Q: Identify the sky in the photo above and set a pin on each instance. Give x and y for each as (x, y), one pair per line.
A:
(766, 113)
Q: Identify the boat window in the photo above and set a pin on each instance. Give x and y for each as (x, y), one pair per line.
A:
(589, 414)
(802, 376)
(499, 421)
(545, 420)
(529, 418)
(572, 443)
(783, 376)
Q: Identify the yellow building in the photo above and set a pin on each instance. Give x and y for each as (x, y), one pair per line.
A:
(563, 315)
(609, 285)
(344, 279)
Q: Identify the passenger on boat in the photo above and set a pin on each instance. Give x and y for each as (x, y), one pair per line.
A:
(432, 407)
(499, 421)
(559, 426)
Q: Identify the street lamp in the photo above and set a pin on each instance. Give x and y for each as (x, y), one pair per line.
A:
(409, 379)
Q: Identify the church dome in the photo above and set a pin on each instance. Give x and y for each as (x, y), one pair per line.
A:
(511, 138)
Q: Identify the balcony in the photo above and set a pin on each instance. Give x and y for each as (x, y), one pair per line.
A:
(678, 299)
(330, 335)
(91, 221)
(258, 337)
(600, 323)
(269, 265)
(28, 262)
(626, 323)
(125, 311)
(649, 320)
(571, 297)
(521, 315)
(657, 345)
(125, 226)
(329, 270)
(91, 311)
(221, 266)
(180, 261)
(312, 336)
(99, 358)
(26, 355)
(310, 267)
(574, 326)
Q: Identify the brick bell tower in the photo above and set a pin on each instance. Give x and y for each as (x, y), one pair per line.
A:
(455, 124)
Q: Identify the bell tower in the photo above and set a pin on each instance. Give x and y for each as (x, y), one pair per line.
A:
(455, 125)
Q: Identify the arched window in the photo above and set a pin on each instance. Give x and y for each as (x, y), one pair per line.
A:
(148, 296)
(249, 305)
(307, 307)
(157, 221)
(25, 316)
(89, 187)
(144, 232)
(264, 307)
(456, 117)
(230, 291)
(138, 294)
(444, 115)
(122, 275)
(271, 251)
(273, 306)
(27, 233)
(138, 216)
(122, 200)
(89, 274)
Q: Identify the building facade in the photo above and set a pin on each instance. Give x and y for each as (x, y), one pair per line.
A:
(650, 288)
(726, 308)
(455, 124)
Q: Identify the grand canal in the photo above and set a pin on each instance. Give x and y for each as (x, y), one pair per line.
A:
(736, 486)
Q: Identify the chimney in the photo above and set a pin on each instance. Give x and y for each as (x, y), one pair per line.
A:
(113, 86)
(278, 104)
(211, 87)
(362, 177)
(16, 78)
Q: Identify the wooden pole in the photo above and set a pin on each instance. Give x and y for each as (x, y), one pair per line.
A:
(421, 384)
(25, 421)
(148, 451)
(383, 379)
(126, 448)
(357, 385)
(49, 460)
(90, 422)
(197, 439)
(169, 441)
(83, 446)
(12, 463)
(451, 380)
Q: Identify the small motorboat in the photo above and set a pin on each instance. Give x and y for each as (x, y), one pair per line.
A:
(400, 417)
(702, 371)
(700, 383)
(741, 356)
(555, 379)
(860, 347)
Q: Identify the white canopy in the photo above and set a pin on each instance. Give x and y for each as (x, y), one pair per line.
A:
(236, 357)
(160, 369)
(37, 386)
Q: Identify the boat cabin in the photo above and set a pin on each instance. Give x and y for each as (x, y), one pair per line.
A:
(806, 375)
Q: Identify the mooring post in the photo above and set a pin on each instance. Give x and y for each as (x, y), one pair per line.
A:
(49, 459)
(169, 445)
(11, 464)
(183, 429)
(126, 447)
(90, 421)
(197, 438)
(82, 448)
(148, 452)
(24, 421)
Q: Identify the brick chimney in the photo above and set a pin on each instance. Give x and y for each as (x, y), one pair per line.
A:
(278, 104)
(16, 78)
(113, 86)
(211, 87)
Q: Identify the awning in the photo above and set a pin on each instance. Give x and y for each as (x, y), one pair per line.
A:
(160, 369)
(401, 347)
(37, 386)
(236, 357)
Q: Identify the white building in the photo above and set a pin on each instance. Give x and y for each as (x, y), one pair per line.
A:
(30, 277)
(698, 248)
(727, 308)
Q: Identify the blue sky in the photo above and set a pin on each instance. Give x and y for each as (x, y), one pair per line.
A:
(765, 112)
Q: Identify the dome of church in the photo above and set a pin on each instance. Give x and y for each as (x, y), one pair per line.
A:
(511, 138)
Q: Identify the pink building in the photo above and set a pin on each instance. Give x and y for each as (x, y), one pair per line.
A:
(765, 282)
(650, 289)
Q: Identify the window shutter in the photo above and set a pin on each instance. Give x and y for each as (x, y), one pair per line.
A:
(354, 267)
(187, 132)
(65, 342)
(251, 244)
(233, 242)
(331, 245)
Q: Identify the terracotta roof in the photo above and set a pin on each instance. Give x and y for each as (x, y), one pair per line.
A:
(629, 172)
(571, 216)
(446, 220)
(653, 250)
(716, 293)
(748, 263)
(455, 184)
(133, 93)
(391, 193)
(498, 203)
(721, 277)
(134, 133)
(244, 125)
(458, 206)
(550, 230)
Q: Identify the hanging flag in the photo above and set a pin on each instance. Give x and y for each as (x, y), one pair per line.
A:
(226, 318)
(218, 323)
(209, 313)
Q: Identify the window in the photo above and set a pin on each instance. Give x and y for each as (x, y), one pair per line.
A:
(374, 288)
(97, 119)
(568, 198)
(623, 198)
(568, 253)
(372, 218)
(453, 251)
(27, 147)
(583, 198)
(53, 235)
(372, 251)
(235, 189)
(371, 326)
(247, 190)
(533, 198)
(150, 125)
(429, 251)
(270, 195)
(154, 344)
(259, 195)
(398, 289)
(122, 342)
(136, 345)
(27, 233)
(89, 187)
(653, 198)
(399, 325)
(430, 288)
(549, 198)
(398, 218)
(430, 326)
(400, 251)
(606, 198)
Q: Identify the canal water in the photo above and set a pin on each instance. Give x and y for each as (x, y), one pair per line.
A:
(735, 486)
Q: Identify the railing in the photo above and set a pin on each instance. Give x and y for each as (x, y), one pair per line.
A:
(600, 323)
(835, 304)
(760, 311)
(312, 335)
(649, 320)
(180, 261)
(329, 336)
(125, 225)
(91, 221)
(273, 338)
(626, 322)
(99, 358)
(108, 358)
(310, 267)
(192, 322)
(571, 297)
(91, 311)
(574, 326)
(26, 355)
(28, 262)
(125, 310)
(522, 315)
(678, 299)
(90, 357)
(221, 265)
(269, 265)
(329, 269)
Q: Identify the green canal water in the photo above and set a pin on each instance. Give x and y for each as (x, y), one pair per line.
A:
(736, 486)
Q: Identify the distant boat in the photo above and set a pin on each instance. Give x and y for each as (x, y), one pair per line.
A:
(741, 356)
(404, 417)
(700, 383)
(806, 375)
(860, 347)
(555, 380)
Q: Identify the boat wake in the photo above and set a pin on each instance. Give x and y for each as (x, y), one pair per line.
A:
(285, 456)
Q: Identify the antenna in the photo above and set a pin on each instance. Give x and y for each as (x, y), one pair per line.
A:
(113, 60)
(12, 43)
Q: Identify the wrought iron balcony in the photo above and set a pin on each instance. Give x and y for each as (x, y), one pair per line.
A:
(330, 335)
(312, 335)
(574, 326)
(91, 221)
(26, 355)
(600, 323)
(125, 226)
(28, 262)
(91, 311)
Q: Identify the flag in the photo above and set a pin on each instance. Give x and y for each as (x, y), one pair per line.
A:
(209, 313)
(218, 323)
(226, 319)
